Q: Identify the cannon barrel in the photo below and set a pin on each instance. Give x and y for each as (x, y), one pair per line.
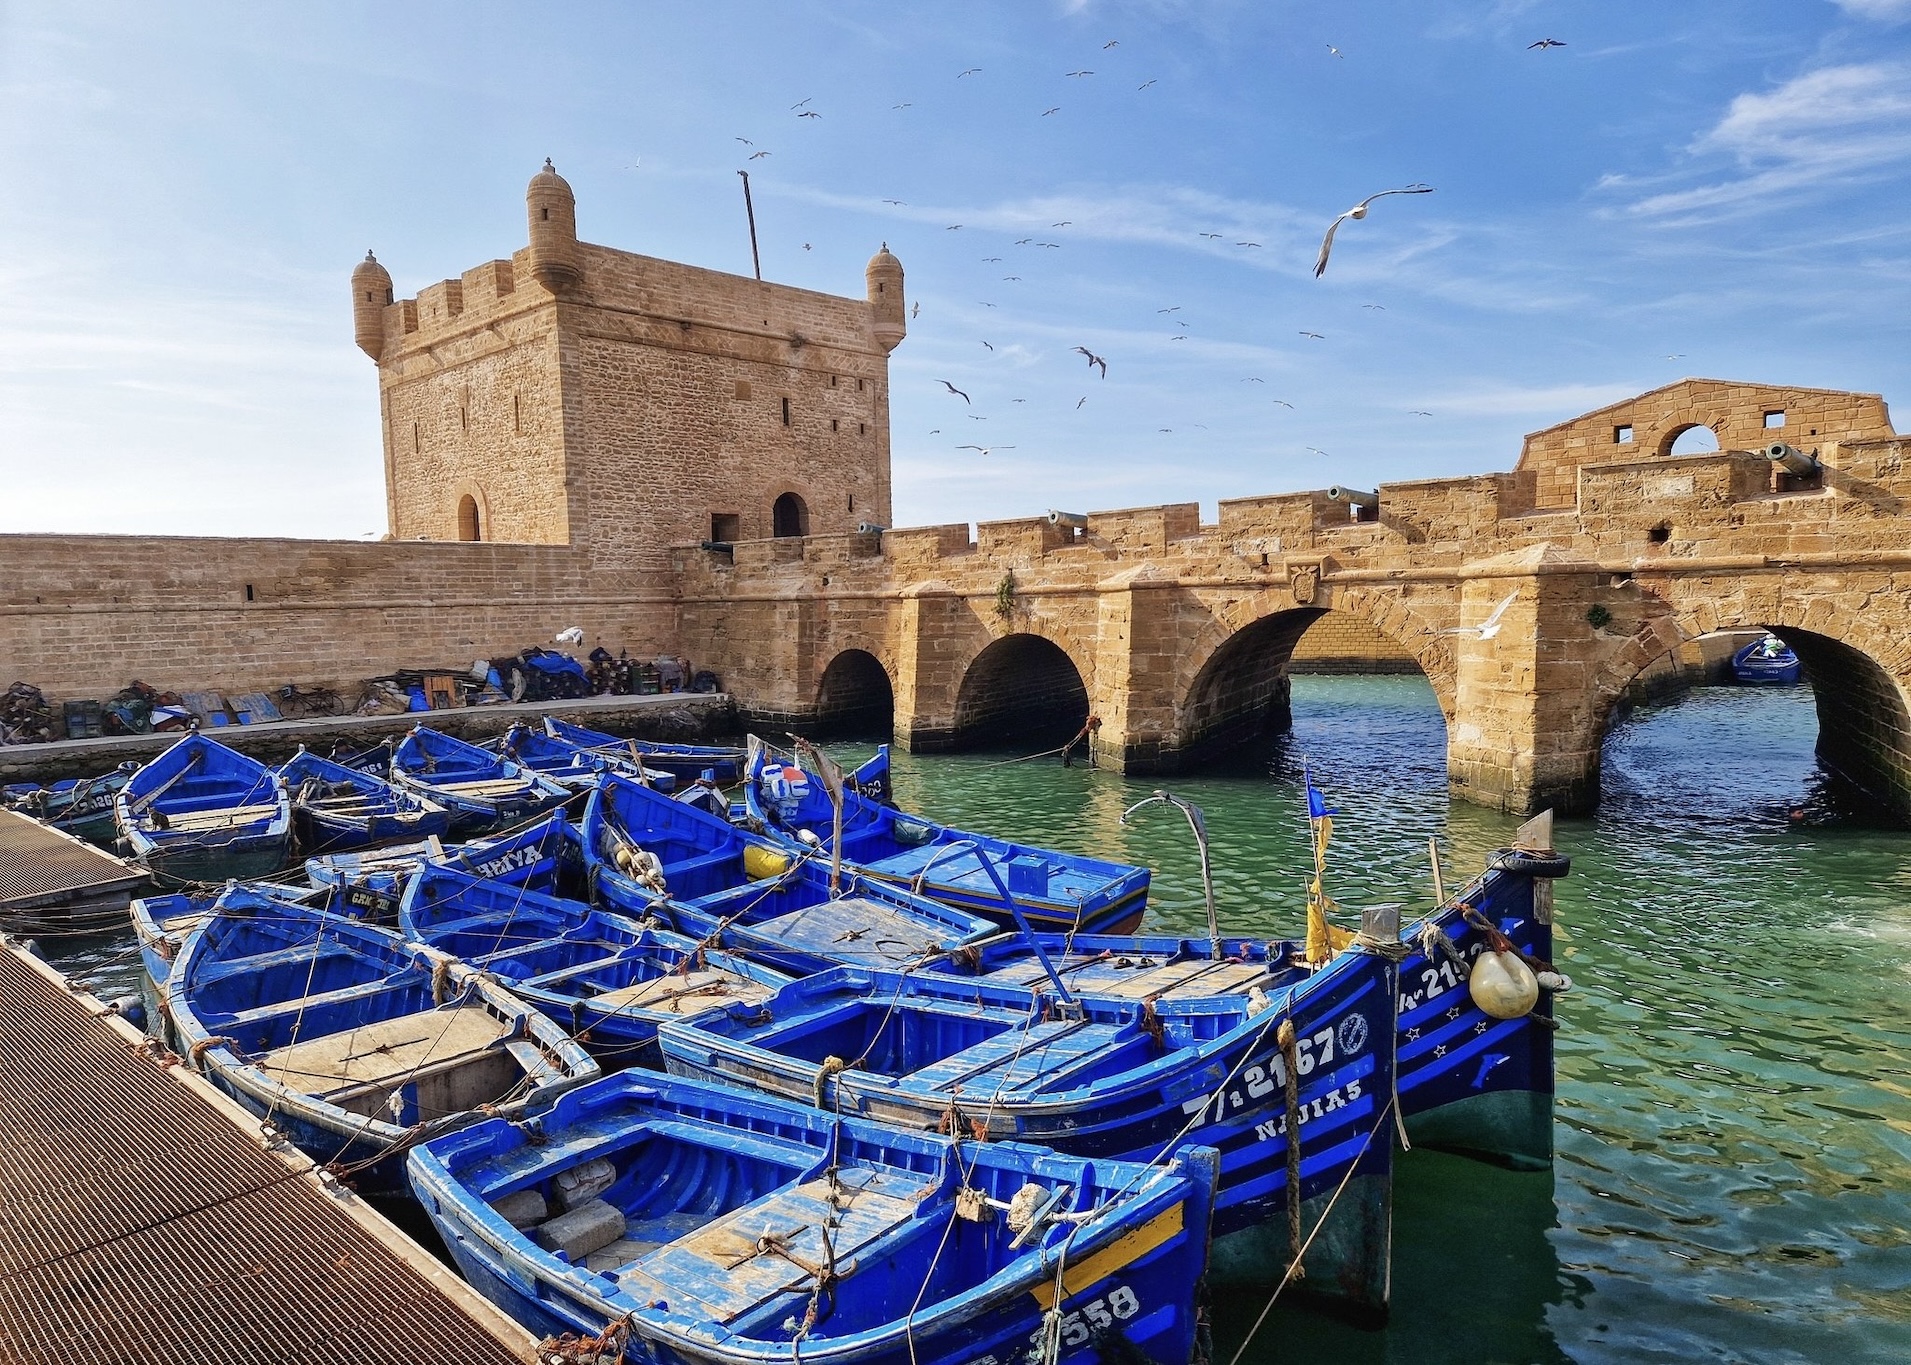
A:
(869, 528)
(1357, 497)
(1790, 458)
(1074, 519)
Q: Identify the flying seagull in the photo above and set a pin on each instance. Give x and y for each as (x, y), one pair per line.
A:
(1316, 335)
(1419, 412)
(1093, 359)
(916, 310)
(1490, 627)
(1179, 336)
(954, 390)
(746, 142)
(1175, 309)
(800, 103)
(1112, 42)
(1284, 403)
(1211, 234)
(1007, 278)
(1080, 401)
(990, 260)
(1357, 211)
(897, 202)
(902, 106)
(972, 71)
(809, 113)
(953, 227)
(987, 344)
(1247, 243)
(1381, 306)
(1078, 73)
(806, 246)
(1253, 381)
(1336, 51)
(1144, 85)
(758, 156)
(1544, 43)
(1066, 223)
(1056, 110)
(986, 450)
(985, 304)
(1018, 400)
(1318, 451)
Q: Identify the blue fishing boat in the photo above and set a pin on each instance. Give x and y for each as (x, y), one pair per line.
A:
(698, 1225)
(160, 926)
(572, 766)
(1169, 1054)
(483, 791)
(1469, 1081)
(353, 1042)
(1067, 892)
(81, 807)
(609, 980)
(686, 761)
(1770, 661)
(544, 855)
(201, 813)
(337, 807)
(649, 855)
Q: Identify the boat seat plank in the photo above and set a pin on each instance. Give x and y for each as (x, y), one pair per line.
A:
(385, 1050)
(1023, 1061)
(1186, 980)
(225, 818)
(725, 1270)
(854, 927)
(691, 993)
(494, 786)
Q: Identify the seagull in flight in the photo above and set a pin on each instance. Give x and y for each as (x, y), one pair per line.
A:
(1080, 401)
(1175, 309)
(990, 260)
(1179, 336)
(800, 103)
(1053, 246)
(1544, 43)
(986, 450)
(1018, 400)
(1284, 403)
(984, 304)
(1679, 356)
(1419, 412)
(1024, 241)
(1068, 223)
(758, 156)
(1093, 359)
(1247, 243)
(746, 142)
(972, 71)
(1144, 85)
(953, 227)
(809, 113)
(1336, 51)
(954, 390)
(1078, 73)
(897, 202)
(1316, 335)
(1252, 380)
(1490, 627)
(902, 106)
(806, 246)
(916, 311)
(1214, 235)
(1007, 278)
(1056, 110)
(1112, 42)
(1318, 451)
(987, 344)
(1380, 306)
(1357, 211)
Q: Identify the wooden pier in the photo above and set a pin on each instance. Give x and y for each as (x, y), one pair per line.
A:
(146, 1218)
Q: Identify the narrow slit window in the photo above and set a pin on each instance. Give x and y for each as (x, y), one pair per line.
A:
(832, 424)
(248, 592)
(786, 412)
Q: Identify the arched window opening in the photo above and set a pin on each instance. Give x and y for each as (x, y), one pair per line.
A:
(1696, 439)
(468, 525)
(790, 517)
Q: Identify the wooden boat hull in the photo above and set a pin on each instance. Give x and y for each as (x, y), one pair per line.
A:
(351, 1041)
(724, 1196)
(1116, 1091)
(243, 857)
(200, 812)
(1471, 1083)
(1056, 892)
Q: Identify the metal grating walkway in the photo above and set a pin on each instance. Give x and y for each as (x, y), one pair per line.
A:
(42, 869)
(138, 1224)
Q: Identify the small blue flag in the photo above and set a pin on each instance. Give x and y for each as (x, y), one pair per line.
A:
(1317, 807)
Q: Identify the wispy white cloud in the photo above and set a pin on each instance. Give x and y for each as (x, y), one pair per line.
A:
(1889, 11)
(1832, 125)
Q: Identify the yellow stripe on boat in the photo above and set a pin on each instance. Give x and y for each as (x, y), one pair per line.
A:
(1124, 1250)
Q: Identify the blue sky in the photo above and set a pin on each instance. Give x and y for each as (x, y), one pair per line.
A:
(1683, 189)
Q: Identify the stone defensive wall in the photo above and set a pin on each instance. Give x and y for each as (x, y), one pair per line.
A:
(1529, 621)
(84, 615)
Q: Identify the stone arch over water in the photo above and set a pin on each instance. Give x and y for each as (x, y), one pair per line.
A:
(1021, 688)
(1238, 688)
(855, 696)
(1864, 709)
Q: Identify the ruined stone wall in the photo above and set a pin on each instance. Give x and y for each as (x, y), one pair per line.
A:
(1741, 416)
(84, 615)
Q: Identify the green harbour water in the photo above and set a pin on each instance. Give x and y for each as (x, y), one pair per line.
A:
(1733, 1180)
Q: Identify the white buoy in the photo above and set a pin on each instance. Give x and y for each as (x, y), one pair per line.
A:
(1502, 985)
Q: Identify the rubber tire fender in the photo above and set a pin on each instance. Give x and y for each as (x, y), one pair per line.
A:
(1525, 863)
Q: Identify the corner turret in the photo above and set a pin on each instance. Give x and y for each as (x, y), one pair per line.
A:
(889, 319)
(371, 295)
(553, 213)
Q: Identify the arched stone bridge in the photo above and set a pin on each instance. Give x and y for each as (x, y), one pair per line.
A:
(1530, 599)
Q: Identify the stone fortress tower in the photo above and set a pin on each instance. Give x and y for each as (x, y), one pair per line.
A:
(580, 395)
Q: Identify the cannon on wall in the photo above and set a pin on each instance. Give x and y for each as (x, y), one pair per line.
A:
(1791, 459)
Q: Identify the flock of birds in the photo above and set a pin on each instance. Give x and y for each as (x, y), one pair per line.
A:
(1095, 362)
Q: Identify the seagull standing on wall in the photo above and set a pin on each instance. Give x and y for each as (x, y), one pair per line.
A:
(1357, 211)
